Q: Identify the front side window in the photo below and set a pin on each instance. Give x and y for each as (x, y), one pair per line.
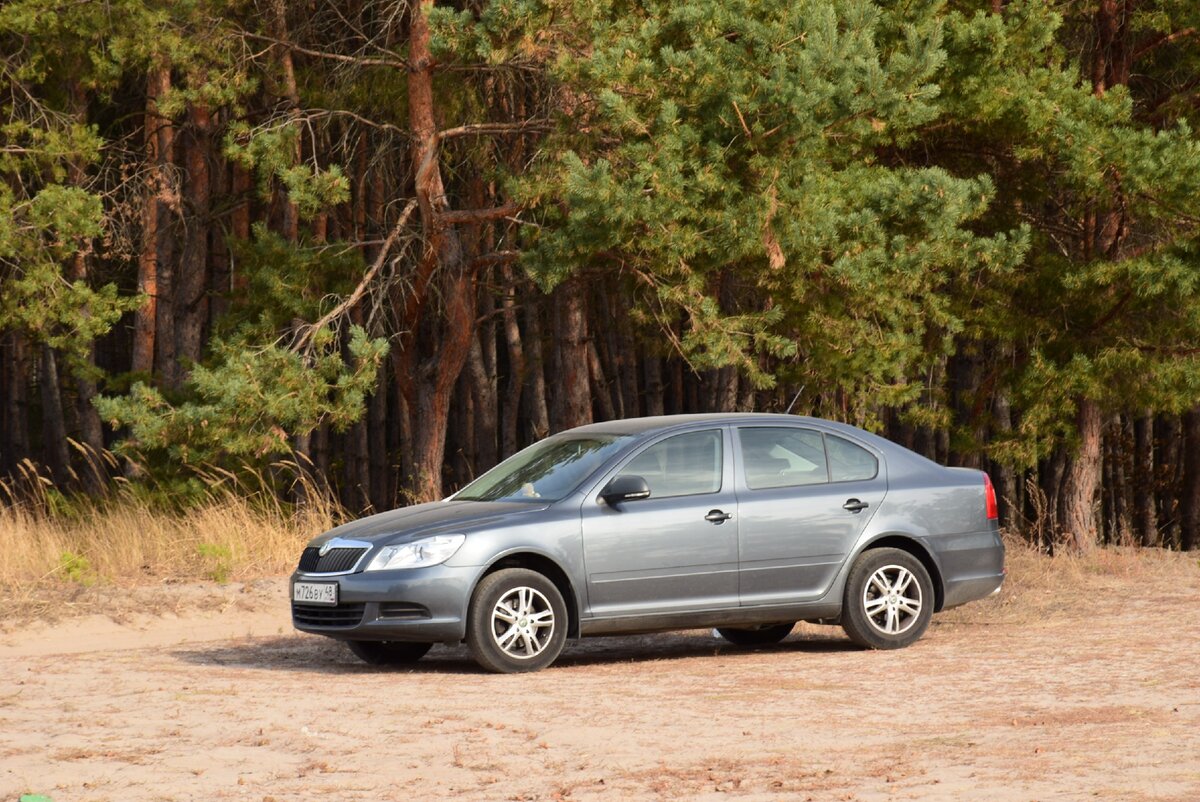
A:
(546, 471)
(683, 465)
(782, 457)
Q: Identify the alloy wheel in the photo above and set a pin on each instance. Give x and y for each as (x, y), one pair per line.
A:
(892, 599)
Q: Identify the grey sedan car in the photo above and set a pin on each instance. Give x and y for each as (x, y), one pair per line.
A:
(746, 523)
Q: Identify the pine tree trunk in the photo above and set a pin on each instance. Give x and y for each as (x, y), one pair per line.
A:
(1189, 497)
(1006, 478)
(652, 367)
(167, 209)
(191, 284)
(377, 446)
(482, 380)
(600, 386)
(436, 350)
(1170, 461)
(1144, 515)
(1082, 481)
(145, 318)
(572, 402)
(54, 427)
(16, 403)
(517, 368)
(539, 413)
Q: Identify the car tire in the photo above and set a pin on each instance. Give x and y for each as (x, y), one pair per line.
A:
(888, 600)
(756, 636)
(517, 622)
(387, 653)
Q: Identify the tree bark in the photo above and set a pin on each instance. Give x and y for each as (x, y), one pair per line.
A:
(1082, 481)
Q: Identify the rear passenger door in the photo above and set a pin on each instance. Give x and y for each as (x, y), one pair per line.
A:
(804, 497)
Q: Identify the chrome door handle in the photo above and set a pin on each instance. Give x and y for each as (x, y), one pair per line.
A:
(718, 517)
(854, 505)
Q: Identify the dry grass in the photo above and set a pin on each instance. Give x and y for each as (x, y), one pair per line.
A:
(221, 539)
(51, 546)
(1040, 587)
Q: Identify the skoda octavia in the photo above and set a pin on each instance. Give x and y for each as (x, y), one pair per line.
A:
(745, 523)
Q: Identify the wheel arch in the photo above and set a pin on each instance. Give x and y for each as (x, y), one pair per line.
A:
(918, 550)
(547, 567)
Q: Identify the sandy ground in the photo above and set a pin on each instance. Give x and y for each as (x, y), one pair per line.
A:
(1091, 691)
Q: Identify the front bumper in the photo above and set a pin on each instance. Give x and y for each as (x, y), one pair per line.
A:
(427, 605)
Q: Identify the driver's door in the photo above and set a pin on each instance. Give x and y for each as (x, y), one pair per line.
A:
(674, 551)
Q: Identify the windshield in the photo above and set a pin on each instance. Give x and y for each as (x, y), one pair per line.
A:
(546, 471)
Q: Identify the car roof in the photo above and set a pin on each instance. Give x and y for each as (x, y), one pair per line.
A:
(665, 422)
(644, 427)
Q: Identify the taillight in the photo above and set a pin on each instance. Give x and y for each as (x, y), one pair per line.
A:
(989, 492)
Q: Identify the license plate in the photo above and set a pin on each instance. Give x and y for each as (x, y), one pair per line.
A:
(315, 592)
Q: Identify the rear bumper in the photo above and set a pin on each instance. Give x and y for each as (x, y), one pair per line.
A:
(965, 590)
(971, 564)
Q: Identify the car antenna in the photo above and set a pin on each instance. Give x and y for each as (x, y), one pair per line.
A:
(794, 400)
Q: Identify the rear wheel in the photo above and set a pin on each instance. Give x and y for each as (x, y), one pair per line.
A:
(756, 636)
(388, 653)
(517, 622)
(889, 600)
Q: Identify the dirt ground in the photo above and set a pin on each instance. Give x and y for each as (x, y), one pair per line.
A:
(1081, 686)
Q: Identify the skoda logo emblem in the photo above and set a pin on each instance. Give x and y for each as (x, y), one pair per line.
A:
(325, 547)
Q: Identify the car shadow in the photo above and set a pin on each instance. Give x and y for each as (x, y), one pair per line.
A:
(314, 654)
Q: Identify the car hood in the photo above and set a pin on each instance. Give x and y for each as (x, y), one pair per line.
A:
(436, 517)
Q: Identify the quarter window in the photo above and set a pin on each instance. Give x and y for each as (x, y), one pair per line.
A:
(782, 457)
(849, 462)
(683, 465)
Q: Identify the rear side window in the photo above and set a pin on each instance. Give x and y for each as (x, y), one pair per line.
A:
(782, 457)
(849, 462)
(684, 465)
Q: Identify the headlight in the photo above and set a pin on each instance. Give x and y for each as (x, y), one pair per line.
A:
(418, 554)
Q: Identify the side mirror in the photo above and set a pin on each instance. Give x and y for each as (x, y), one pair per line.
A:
(625, 488)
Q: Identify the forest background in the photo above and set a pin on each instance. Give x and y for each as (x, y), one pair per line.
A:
(364, 250)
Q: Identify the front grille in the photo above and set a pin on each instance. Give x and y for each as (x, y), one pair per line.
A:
(315, 615)
(402, 611)
(335, 561)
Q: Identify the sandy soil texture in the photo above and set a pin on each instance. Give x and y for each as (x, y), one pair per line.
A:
(1088, 691)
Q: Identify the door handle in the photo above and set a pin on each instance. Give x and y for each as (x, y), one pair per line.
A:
(854, 505)
(718, 517)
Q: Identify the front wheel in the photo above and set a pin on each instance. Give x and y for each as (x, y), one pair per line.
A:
(517, 622)
(889, 600)
(388, 653)
(756, 636)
